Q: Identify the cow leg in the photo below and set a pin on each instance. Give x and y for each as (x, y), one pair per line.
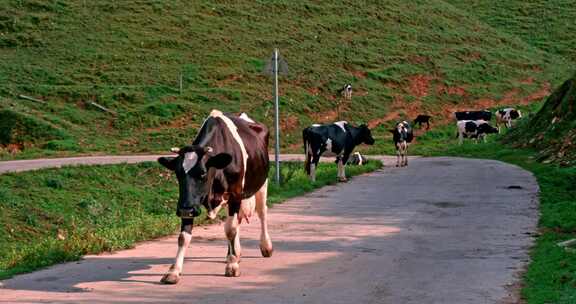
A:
(173, 275)
(405, 154)
(398, 154)
(341, 173)
(265, 243)
(232, 230)
(427, 125)
(460, 138)
(313, 166)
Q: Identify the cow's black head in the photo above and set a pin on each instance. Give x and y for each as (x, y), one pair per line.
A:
(192, 167)
(365, 136)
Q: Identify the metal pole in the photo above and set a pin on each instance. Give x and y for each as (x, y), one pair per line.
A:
(276, 119)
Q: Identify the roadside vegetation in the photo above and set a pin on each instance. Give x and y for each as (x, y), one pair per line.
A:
(56, 215)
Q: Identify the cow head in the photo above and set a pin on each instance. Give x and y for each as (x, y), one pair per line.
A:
(365, 136)
(192, 166)
(401, 131)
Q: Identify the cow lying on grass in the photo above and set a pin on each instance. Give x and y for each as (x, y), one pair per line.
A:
(338, 139)
(474, 129)
(402, 135)
(226, 165)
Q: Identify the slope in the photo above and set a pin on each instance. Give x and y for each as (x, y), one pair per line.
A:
(402, 58)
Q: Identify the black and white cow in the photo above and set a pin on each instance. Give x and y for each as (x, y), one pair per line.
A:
(420, 119)
(402, 135)
(346, 91)
(338, 139)
(506, 116)
(474, 129)
(473, 115)
(357, 159)
(226, 165)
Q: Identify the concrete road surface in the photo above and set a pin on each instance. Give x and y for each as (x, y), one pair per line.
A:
(444, 230)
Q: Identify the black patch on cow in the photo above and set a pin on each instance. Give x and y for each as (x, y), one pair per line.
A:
(514, 114)
(473, 115)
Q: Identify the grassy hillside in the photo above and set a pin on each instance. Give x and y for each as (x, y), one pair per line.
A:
(403, 58)
(546, 24)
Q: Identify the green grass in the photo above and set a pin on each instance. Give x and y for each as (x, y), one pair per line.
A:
(56, 215)
(128, 55)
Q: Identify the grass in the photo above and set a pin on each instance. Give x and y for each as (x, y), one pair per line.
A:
(128, 56)
(57, 215)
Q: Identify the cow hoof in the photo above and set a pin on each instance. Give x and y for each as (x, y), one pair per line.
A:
(266, 252)
(170, 278)
(232, 270)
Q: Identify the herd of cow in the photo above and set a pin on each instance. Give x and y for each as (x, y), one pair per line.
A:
(227, 165)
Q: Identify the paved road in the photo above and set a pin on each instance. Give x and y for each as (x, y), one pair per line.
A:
(444, 230)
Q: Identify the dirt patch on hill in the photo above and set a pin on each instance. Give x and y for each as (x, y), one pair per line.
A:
(419, 85)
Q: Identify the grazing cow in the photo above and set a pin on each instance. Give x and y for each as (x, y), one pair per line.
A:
(346, 91)
(506, 116)
(337, 139)
(227, 164)
(402, 136)
(357, 159)
(474, 129)
(422, 119)
(474, 115)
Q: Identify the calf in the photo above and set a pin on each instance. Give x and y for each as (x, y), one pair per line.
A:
(474, 129)
(402, 136)
(422, 119)
(226, 165)
(506, 116)
(338, 139)
(357, 159)
(346, 91)
(473, 115)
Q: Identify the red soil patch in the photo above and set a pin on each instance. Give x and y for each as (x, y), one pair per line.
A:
(419, 85)
(227, 80)
(289, 123)
(529, 80)
(313, 91)
(359, 74)
(328, 116)
(458, 91)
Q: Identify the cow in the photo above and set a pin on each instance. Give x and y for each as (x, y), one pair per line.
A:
(346, 91)
(226, 165)
(474, 129)
(357, 159)
(402, 136)
(337, 139)
(473, 115)
(506, 116)
(420, 119)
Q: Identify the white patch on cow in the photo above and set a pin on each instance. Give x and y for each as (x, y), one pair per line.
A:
(341, 124)
(246, 118)
(190, 160)
(234, 131)
(316, 125)
(247, 209)
(329, 145)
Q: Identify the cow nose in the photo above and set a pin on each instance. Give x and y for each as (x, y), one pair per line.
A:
(189, 212)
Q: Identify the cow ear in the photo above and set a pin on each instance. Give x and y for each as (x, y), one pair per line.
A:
(219, 161)
(168, 162)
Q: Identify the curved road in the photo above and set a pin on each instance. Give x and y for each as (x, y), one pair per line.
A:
(444, 230)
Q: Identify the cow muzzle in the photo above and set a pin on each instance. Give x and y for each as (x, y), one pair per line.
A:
(189, 212)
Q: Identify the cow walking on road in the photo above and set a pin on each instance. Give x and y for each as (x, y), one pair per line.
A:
(338, 139)
(226, 165)
(402, 135)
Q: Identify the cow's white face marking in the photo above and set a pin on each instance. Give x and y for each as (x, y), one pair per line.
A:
(190, 160)
(234, 131)
(341, 125)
